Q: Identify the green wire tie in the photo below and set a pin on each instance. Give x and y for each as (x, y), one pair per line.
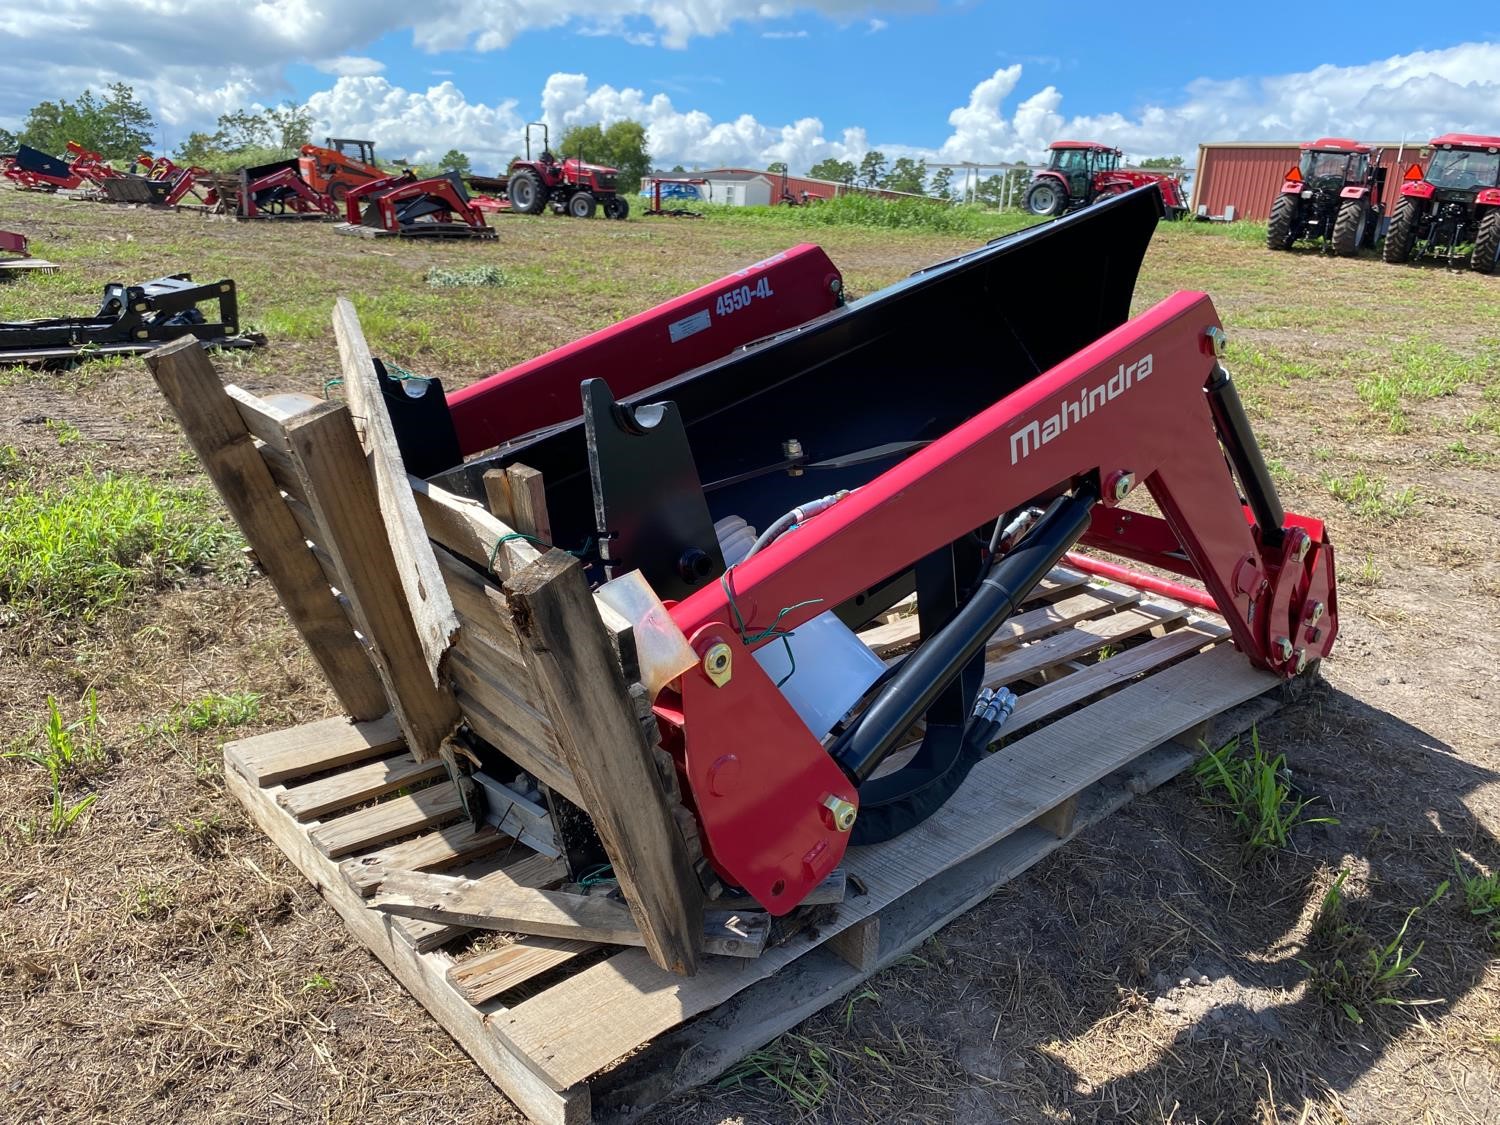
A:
(538, 541)
(772, 630)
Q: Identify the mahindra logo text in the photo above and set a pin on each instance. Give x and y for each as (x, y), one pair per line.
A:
(1038, 432)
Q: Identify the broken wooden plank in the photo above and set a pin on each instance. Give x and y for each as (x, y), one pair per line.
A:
(432, 612)
(499, 904)
(486, 975)
(530, 870)
(432, 851)
(223, 444)
(601, 739)
(332, 467)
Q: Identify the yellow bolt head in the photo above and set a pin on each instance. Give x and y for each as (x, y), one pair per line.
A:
(718, 664)
(843, 812)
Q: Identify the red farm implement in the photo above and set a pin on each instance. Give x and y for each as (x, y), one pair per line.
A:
(32, 170)
(1455, 204)
(1080, 173)
(438, 207)
(273, 191)
(867, 488)
(571, 186)
(630, 755)
(15, 256)
(1334, 193)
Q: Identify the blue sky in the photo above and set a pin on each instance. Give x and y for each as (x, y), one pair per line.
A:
(795, 80)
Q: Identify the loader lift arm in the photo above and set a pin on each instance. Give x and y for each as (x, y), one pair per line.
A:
(1137, 407)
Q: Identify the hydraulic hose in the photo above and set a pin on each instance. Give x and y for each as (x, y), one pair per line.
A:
(791, 519)
(871, 738)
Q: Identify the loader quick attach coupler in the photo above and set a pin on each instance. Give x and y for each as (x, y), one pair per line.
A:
(952, 437)
(131, 319)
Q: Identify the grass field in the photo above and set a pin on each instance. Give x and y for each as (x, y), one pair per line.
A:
(1304, 930)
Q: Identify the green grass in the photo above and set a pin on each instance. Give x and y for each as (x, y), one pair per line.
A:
(1357, 974)
(1367, 495)
(67, 752)
(1421, 370)
(930, 216)
(89, 544)
(490, 277)
(1255, 791)
(1481, 897)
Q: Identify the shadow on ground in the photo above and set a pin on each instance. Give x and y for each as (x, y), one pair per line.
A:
(1150, 972)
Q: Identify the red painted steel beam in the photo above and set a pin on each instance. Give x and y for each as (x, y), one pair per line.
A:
(771, 296)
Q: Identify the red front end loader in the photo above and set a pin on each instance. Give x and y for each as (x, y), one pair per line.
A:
(1032, 428)
(1454, 204)
(436, 207)
(1335, 193)
(572, 186)
(1080, 173)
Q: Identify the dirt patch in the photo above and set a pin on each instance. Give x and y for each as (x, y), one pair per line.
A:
(163, 960)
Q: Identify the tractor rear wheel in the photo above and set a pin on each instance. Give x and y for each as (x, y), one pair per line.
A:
(1486, 257)
(1279, 230)
(1349, 228)
(617, 207)
(1403, 233)
(583, 205)
(525, 192)
(1046, 197)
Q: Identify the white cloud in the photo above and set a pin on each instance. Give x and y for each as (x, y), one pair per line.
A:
(875, 26)
(798, 34)
(350, 66)
(419, 126)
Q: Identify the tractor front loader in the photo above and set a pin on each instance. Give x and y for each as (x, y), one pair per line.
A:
(1334, 193)
(952, 437)
(1454, 204)
(437, 207)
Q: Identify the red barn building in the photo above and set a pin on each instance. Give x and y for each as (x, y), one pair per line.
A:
(1247, 175)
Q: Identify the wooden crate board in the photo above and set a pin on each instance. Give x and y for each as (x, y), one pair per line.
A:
(1096, 732)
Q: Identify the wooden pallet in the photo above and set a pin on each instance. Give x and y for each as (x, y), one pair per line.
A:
(28, 265)
(548, 1019)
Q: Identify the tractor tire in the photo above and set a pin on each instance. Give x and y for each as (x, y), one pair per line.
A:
(525, 192)
(337, 191)
(617, 207)
(583, 205)
(1280, 232)
(1402, 235)
(1046, 198)
(1349, 228)
(1486, 257)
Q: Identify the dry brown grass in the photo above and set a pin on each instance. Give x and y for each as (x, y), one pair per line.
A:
(162, 961)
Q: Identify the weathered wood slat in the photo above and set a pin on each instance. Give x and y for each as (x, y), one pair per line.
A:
(466, 528)
(356, 786)
(218, 435)
(885, 639)
(332, 466)
(1045, 701)
(601, 738)
(587, 1021)
(1079, 640)
(482, 608)
(497, 903)
(486, 975)
(283, 470)
(283, 755)
(400, 816)
(531, 870)
(427, 599)
(544, 760)
(433, 851)
(423, 974)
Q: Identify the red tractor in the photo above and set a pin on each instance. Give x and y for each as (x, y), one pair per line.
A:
(572, 186)
(1334, 193)
(1456, 203)
(1083, 172)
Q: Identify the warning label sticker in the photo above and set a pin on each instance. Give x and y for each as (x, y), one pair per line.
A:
(689, 325)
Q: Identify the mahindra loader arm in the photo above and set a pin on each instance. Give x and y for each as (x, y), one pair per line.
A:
(928, 417)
